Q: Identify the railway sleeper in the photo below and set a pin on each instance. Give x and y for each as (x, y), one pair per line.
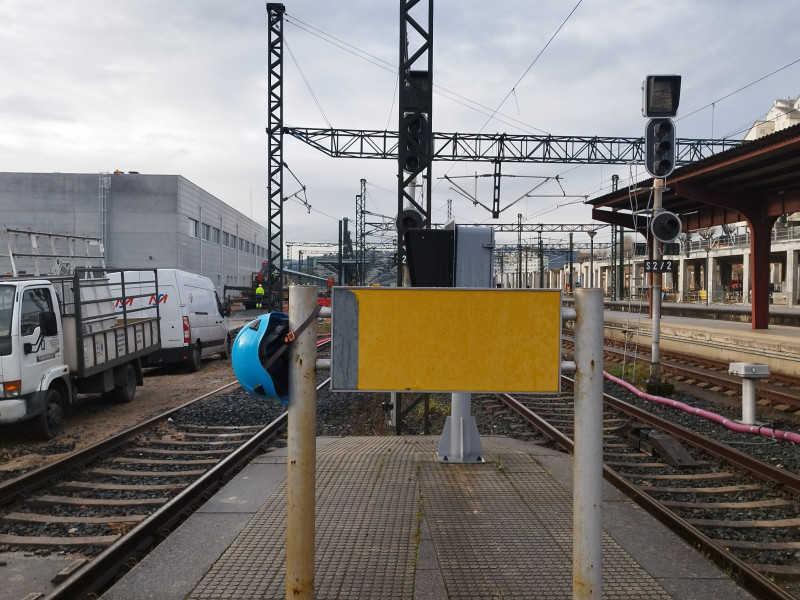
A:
(119, 487)
(22, 541)
(173, 452)
(18, 517)
(135, 474)
(70, 501)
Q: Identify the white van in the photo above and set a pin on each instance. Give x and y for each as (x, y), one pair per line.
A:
(192, 319)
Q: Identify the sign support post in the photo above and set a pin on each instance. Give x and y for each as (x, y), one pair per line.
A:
(587, 517)
(301, 447)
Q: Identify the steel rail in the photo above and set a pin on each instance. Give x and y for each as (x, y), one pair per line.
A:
(106, 565)
(764, 391)
(22, 486)
(740, 460)
(748, 577)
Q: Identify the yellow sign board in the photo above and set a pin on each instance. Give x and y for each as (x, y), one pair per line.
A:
(446, 340)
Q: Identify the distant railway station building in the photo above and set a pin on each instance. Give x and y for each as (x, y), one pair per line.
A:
(145, 221)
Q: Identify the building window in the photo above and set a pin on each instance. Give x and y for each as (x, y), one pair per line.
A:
(193, 228)
(206, 232)
(226, 239)
(233, 242)
(215, 235)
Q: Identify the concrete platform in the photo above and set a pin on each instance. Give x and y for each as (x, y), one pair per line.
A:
(726, 341)
(393, 522)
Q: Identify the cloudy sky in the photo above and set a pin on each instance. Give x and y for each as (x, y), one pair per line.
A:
(179, 87)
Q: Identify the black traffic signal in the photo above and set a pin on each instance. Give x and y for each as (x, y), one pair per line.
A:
(666, 227)
(414, 142)
(659, 147)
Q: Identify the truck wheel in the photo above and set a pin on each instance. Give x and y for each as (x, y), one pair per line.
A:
(48, 424)
(195, 361)
(126, 391)
(226, 353)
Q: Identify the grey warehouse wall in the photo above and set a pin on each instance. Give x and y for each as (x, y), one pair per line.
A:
(148, 221)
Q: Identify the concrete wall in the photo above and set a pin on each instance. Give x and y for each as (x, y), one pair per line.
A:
(148, 220)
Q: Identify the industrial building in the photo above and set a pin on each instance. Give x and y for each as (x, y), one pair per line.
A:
(144, 221)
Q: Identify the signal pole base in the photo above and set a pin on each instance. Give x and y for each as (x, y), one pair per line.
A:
(660, 388)
(460, 441)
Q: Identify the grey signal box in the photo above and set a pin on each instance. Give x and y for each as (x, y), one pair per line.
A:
(474, 257)
(455, 256)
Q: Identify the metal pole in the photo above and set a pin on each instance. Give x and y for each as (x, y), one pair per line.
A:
(541, 262)
(748, 401)
(621, 265)
(571, 284)
(341, 276)
(591, 257)
(301, 447)
(655, 357)
(519, 251)
(527, 283)
(613, 270)
(587, 518)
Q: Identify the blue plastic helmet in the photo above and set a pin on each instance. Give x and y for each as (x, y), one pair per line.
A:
(254, 345)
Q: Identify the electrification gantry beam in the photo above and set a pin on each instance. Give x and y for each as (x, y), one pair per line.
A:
(364, 143)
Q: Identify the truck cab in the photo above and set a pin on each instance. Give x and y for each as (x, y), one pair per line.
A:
(35, 378)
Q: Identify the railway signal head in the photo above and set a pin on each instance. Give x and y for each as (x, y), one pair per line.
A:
(414, 142)
(259, 359)
(665, 226)
(659, 147)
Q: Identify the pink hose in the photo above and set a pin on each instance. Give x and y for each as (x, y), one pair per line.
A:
(730, 424)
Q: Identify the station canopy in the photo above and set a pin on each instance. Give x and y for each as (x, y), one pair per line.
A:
(757, 182)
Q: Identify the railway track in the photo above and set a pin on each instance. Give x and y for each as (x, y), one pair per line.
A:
(115, 499)
(779, 394)
(112, 501)
(740, 511)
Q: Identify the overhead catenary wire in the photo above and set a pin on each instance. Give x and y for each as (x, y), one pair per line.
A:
(392, 68)
(308, 84)
(533, 62)
(389, 67)
(744, 87)
(524, 74)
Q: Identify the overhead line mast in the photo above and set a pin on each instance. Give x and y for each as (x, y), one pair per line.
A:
(415, 139)
(275, 157)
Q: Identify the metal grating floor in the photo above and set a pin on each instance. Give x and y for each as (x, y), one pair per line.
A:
(502, 529)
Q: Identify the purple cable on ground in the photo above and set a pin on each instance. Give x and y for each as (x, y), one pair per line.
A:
(729, 423)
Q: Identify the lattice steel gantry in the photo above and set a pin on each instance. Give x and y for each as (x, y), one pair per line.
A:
(275, 157)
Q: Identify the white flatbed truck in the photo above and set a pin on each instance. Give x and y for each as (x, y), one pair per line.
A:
(61, 336)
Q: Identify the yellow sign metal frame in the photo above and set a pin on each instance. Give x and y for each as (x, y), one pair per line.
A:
(446, 340)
